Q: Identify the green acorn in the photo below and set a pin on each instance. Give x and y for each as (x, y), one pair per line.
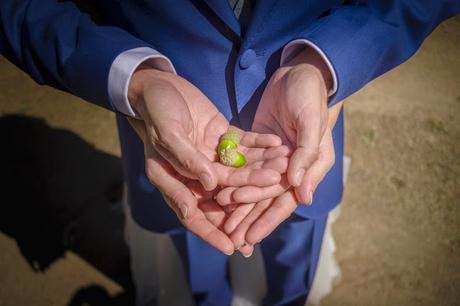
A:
(225, 143)
(231, 157)
(227, 149)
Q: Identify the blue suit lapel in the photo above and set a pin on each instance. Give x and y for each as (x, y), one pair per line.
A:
(263, 12)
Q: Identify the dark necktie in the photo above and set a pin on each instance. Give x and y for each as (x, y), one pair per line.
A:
(243, 11)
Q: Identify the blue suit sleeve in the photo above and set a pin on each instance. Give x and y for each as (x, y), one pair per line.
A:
(364, 39)
(58, 45)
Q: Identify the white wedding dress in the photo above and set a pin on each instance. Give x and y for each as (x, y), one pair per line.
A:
(160, 280)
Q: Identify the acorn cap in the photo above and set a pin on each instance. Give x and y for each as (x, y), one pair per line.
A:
(233, 136)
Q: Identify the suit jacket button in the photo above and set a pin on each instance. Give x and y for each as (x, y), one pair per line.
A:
(247, 58)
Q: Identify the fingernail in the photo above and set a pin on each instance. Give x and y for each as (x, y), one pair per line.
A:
(229, 253)
(299, 177)
(183, 210)
(248, 255)
(205, 179)
(311, 197)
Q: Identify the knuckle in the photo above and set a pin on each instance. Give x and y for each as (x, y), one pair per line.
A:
(188, 163)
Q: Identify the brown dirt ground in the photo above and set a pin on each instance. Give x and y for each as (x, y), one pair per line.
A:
(398, 237)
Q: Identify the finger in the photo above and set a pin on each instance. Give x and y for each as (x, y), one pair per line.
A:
(246, 250)
(238, 236)
(190, 159)
(257, 140)
(279, 164)
(200, 225)
(237, 216)
(205, 225)
(250, 194)
(308, 138)
(224, 196)
(261, 154)
(213, 212)
(316, 173)
(279, 210)
(183, 202)
(228, 176)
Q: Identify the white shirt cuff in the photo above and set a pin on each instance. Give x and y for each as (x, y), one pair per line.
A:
(294, 46)
(122, 70)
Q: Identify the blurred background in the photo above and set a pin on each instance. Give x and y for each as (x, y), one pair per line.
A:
(398, 236)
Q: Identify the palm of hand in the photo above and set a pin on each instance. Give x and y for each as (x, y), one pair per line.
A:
(208, 218)
(294, 100)
(292, 107)
(193, 122)
(180, 123)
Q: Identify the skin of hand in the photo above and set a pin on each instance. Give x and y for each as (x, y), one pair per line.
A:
(250, 223)
(184, 127)
(205, 217)
(181, 130)
(294, 107)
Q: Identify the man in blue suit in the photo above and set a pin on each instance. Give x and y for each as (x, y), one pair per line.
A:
(184, 68)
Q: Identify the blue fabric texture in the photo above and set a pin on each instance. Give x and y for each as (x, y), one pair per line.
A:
(59, 45)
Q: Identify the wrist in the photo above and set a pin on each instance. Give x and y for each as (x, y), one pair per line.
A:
(310, 57)
(140, 79)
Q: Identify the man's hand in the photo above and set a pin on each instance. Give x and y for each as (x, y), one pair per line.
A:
(184, 127)
(195, 207)
(250, 223)
(294, 106)
(181, 124)
(181, 130)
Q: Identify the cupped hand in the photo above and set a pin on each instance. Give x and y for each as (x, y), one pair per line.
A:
(195, 207)
(181, 130)
(294, 107)
(184, 127)
(261, 210)
(250, 223)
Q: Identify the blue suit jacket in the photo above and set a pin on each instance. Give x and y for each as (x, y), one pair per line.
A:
(58, 45)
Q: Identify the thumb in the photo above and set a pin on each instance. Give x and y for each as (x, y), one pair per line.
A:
(306, 153)
(310, 125)
(317, 171)
(176, 194)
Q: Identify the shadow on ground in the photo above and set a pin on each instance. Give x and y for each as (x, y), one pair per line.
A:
(61, 194)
